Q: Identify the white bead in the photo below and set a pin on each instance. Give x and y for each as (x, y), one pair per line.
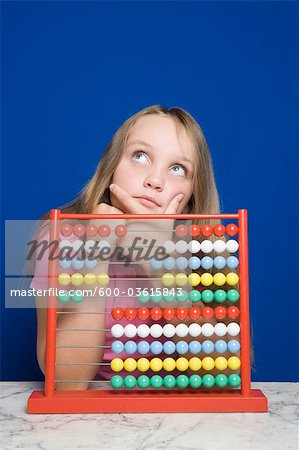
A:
(194, 246)
(156, 330)
(130, 330)
(103, 244)
(65, 243)
(220, 329)
(181, 247)
(194, 329)
(181, 330)
(207, 329)
(143, 330)
(77, 245)
(90, 245)
(219, 246)
(169, 330)
(233, 329)
(232, 246)
(206, 246)
(169, 246)
(117, 330)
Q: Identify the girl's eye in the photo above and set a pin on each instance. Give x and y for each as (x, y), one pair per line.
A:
(139, 156)
(182, 170)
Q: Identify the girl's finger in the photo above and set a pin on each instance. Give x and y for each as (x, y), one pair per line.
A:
(128, 203)
(173, 206)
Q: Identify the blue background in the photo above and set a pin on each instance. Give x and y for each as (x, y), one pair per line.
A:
(73, 72)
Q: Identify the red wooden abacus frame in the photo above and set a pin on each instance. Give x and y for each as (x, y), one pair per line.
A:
(244, 399)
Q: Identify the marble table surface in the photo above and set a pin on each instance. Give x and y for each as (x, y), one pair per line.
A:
(277, 429)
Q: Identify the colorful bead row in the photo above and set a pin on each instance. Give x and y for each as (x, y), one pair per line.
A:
(181, 381)
(78, 246)
(206, 279)
(169, 364)
(205, 246)
(207, 230)
(77, 279)
(181, 330)
(194, 263)
(207, 296)
(65, 296)
(91, 230)
(77, 263)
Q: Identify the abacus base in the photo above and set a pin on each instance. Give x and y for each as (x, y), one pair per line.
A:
(113, 401)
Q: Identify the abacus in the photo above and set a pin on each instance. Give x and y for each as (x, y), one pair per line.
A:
(167, 325)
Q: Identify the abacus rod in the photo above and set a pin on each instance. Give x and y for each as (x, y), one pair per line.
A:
(83, 346)
(81, 364)
(82, 381)
(149, 216)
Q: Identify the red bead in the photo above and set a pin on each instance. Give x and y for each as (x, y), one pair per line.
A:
(156, 313)
(66, 229)
(181, 231)
(233, 312)
(91, 230)
(219, 230)
(182, 313)
(117, 313)
(232, 229)
(194, 313)
(104, 231)
(207, 312)
(207, 230)
(194, 230)
(143, 313)
(120, 230)
(169, 313)
(220, 312)
(130, 313)
(79, 230)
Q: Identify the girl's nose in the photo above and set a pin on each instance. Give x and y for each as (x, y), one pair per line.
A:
(153, 182)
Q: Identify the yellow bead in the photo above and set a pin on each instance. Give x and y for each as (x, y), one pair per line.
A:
(206, 279)
(103, 279)
(232, 279)
(182, 364)
(194, 279)
(143, 364)
(130, 364)
(169, 364)
(208, 363)
(220, 363)
(167, 279)
(117, 365)
(90, 279)
(234, 363)
(64, 279)
(219, 279)
(77, 279)
(181, 279)
(156, 364)
(195, 363)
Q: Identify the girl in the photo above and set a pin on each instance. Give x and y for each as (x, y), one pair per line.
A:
(157, 162)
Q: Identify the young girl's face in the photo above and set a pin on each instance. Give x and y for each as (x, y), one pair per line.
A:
(158, 162)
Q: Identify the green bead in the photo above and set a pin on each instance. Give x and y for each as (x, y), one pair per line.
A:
(195, 381)
(233, 295)
(77, 296)
(169, 381)
(220, 296)
(221, 380)
(182, 381)
(143, 381)
(169, 298)
(207, 296)
(116, 381)
(157, 297)
(143, 298)
(234, 380)
(130, 381)
(195, 296)
(63, 296)
(182, 296)
(156, 381)
(208, 380)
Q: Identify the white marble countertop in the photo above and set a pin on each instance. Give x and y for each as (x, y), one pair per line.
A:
(277, 429)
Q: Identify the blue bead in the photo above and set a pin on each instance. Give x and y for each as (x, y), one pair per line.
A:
(182, 347)
(143, 347)
(194, 263)
(130, 347)
(207, 346)
(219, 262)
(207, 262)
(117, 347)
(232, 262)
(156, 347)
(90, 264)
(195, 347)
(169, 263)
(233, 346)
(220, 346)
(181, 263)
(65, 263)
(156, 264)
(169, 347)
(78, 264)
